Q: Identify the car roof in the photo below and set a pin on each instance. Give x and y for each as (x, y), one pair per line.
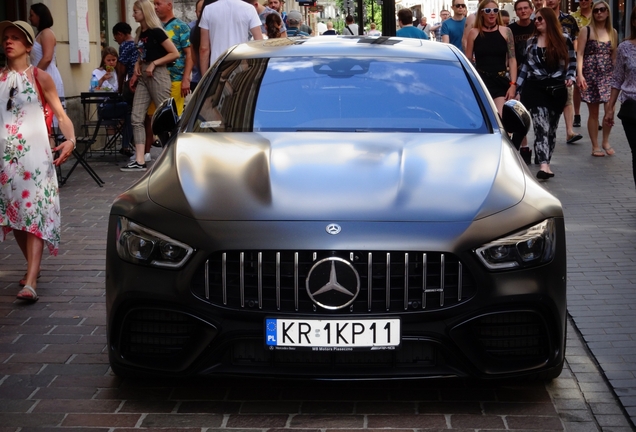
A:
(379, 46)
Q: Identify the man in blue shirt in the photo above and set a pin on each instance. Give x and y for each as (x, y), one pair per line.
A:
(407, 30)
(453, 28)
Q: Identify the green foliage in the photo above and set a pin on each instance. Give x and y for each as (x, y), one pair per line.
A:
(373, 14)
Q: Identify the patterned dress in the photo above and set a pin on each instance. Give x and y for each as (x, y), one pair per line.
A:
(29, 198)
(597, 70)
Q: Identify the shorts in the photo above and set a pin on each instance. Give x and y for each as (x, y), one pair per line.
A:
(570, 93)
(175, 92)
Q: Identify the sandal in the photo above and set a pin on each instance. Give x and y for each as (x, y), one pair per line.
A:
(610, 151)
(574, 138)
(598, 153)
(22, 282)
(28, 294)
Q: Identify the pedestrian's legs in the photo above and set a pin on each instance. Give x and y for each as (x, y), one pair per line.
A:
(138, 115)
(160, 85)
(576, 98)
(592, 125)
(541, 125)
(606, 133)
(32, 247)
(160, 90)
(149, 135)
(630, 133)
(568, 115)
(553, 124)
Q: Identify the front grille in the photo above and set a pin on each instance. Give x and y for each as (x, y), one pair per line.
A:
(513, 335)
(275, 281)
(157, 333)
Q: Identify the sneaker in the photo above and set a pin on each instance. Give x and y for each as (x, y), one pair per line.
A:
(133, 156)
(147, 157)
(133, 166)
(577, 120)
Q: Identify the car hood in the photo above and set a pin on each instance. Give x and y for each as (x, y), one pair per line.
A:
(337, 176)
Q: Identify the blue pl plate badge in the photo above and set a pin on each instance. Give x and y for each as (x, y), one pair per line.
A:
(270, 331)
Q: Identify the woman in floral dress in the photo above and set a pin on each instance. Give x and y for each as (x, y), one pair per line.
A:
(596, 50)
(29, 201)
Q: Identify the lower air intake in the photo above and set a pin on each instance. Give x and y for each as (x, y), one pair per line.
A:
(512, 335)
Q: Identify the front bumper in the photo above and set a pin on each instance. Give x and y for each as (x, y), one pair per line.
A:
(506, 324)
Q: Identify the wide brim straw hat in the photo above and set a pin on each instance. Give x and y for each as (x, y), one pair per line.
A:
(23, 26)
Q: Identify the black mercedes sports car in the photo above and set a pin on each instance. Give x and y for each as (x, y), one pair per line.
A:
(338, 208)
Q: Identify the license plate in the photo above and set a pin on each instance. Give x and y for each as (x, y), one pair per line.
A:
(332, 335)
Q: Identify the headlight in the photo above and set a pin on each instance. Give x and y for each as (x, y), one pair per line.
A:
(141, 245)
(527, 248)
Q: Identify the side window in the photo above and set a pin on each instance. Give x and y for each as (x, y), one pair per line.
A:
(229, 104)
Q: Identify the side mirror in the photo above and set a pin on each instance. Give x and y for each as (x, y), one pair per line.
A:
(516, 121)
(165, 119)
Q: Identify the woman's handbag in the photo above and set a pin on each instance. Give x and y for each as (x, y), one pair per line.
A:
(48, 112)
(627, 112)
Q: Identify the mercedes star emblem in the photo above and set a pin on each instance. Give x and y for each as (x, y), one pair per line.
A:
(333, 283)
(333, 229)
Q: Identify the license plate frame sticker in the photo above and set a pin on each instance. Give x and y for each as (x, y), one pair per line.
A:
(332, 334)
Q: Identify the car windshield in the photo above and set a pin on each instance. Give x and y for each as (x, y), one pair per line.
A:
(340, 94)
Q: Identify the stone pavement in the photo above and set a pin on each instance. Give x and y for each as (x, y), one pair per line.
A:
(54, 372)
(599, 197)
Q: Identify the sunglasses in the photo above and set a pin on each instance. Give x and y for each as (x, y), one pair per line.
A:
(600, 10)
(538, 19)
(12, 93)
(460, 6)
(491, 10)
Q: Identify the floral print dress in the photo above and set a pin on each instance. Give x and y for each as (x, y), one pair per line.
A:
(29, 196)
(597, 70)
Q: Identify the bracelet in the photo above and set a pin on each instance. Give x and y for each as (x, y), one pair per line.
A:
(74, 142)
(512, 83)
(154, 64)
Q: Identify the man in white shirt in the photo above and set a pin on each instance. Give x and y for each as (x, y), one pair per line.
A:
(223, 24)
(350, 28)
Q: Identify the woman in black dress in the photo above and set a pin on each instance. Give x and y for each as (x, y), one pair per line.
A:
(493, 46)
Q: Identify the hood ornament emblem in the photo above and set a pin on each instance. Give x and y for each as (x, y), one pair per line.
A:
(333, 229)
(333, 283)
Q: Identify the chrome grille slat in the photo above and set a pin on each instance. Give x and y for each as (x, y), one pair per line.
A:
(369, 281)
(442, 279)
(388, 281)
(224, 276)
(424, 280)
(406, 281)
(274, 281)
(296, 280)
(459, 281)
(277, 280)
(242, 278)
(207, 279)
(260, 280)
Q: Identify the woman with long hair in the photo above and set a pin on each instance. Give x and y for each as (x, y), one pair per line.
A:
(151, 76)
(595, 53)
(493, 45)
(624, 83)
(273, 25)
(29, 198)
(549, 69)
(43, 52)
